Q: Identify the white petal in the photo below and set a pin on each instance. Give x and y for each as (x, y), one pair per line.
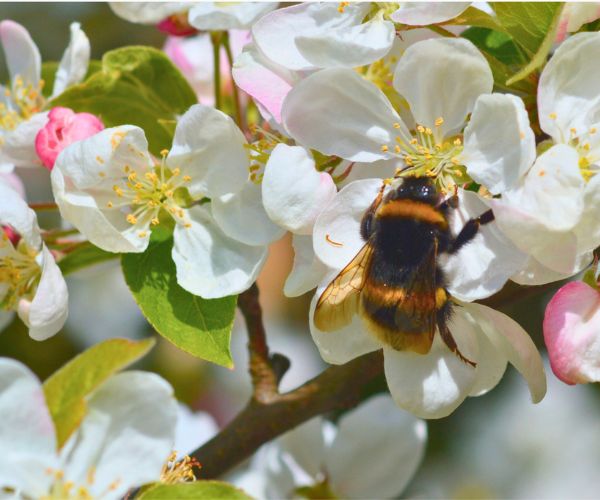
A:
(381, 169)
(294, 193)
(242, 216)
(336, 236)
(209, 263)
(490, 366)
(435, 384)
(395, 441)
(308, 270)
(126, 435)
(267, 82)
(213, 16)
(535, 273)
(588, 229)
(82, 180)
(566, 90)
(74, 63)
(511, 341)
(147, 12)
(15, 212)
(344, 344)
(306, 445)
(27, 437)
(483, 266)
(538, 216)
(338, 112)
(49, 308)
(442, 77)
(209, 147)
(19, 144)
(498, 157)
(193, 430)
(276, 33)
(6, 317)
(349, 47)
(22, 55)
(424, 13)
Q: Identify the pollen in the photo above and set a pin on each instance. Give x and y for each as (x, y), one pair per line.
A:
(397, 125)
(593, 130)
(384, 149)
(342, 6)
(541, 173)
(164, 152)
(522, 135)
(132, 219)
(333, 243)
(186, 178)
(155, 221)
(439, 121)
(552, 116)
(109, 204)
(421, 129)
(142, 234)
(99, 160)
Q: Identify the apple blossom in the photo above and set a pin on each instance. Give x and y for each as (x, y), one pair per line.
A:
(113, 191)
(31, 283)
(572, 333)
(214, 16)
(121, 443)
(321, 459)
(64, 127)
(21, 105)
(434, 384)
(169, 17)
(574, 15)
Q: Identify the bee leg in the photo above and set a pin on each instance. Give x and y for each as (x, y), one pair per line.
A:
(451, 202)
(442, 317)
(366, 224)
(469, 231)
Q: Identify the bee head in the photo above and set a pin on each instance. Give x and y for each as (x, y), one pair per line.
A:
(418, 189)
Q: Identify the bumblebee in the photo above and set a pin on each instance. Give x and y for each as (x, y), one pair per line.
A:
(395, 282)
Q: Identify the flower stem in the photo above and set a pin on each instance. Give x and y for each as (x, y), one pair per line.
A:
(216, 38)
(236, 93)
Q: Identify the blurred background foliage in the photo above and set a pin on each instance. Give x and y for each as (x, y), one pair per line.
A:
(497, 445)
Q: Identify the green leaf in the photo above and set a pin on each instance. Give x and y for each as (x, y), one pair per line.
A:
(201, 327)
(477, 18)
(532, 26)
(66, 389)
(498, 44)
(201, 490)
(136, 86)
(83, 256)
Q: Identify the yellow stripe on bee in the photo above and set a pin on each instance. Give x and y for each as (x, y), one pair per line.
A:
(411, 209)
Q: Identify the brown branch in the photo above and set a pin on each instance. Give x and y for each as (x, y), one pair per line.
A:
(338, 387)
(270, 414)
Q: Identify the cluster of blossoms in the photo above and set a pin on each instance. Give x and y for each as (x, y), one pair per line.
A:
(345, 101)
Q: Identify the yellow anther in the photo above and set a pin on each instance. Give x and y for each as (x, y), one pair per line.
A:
(187, 225)
(552, 116)
(132, 176)
(420, 129)
(132, 219)
(186, 178)
(397, 149)
(164, 152)
(176, 172)
(118, 190)
(142, 234)
(387, 182)
(138, 186)
(384, 149)
(522, 135)
(428, 131)
(408, 160)
(455, 161)
(586, 146)
(573, 130)
(457, 141)
(126, 168)
(439, 121)
(413, 141)
(109, 204)
(102, 174)
(397, 125)
(593, 130)
(155, 221)
(99, 159)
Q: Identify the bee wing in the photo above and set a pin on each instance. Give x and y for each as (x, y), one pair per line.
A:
(340, 300)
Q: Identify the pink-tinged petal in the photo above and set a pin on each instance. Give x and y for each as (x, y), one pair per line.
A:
(572, 333)
(267, 82)
(64, 127)
(13, 181)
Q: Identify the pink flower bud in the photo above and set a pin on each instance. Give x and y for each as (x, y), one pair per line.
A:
(64, 127)
(177, 25)
(572, 333)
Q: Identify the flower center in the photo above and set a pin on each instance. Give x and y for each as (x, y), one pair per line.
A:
(259, 152)
(141, 197)
(424, 155)
(22, 102)
(68, 490)
(19, 271)
(589, 157)
(181, 471)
